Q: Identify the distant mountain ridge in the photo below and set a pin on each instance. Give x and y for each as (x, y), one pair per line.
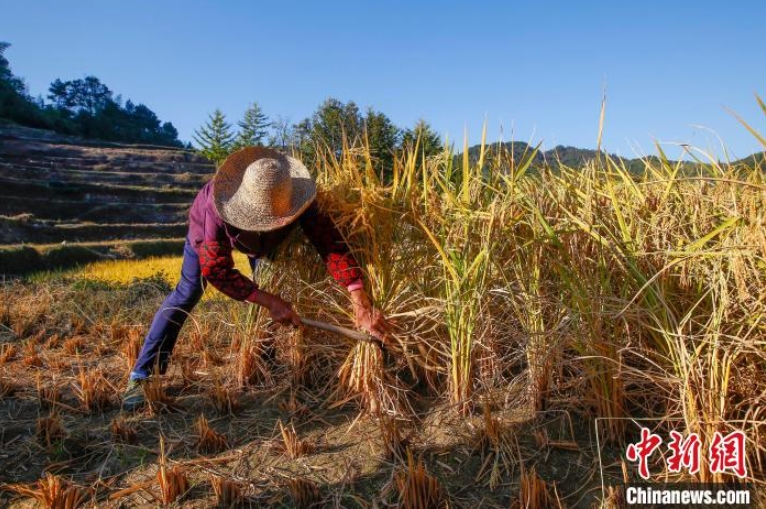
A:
(574, 157)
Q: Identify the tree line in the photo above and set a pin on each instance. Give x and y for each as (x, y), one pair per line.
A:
(326, 129)
(83, 107)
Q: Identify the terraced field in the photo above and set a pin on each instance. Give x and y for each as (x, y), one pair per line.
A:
(56, 189)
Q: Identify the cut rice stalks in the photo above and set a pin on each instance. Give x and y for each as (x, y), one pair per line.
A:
(418, 489)
(52, 492)
(123, 431)
(92, 390)
(157, 401)
(208, 440)
(499, 449)
(132, 347)
(304, 492)
(534, 492)
(292, 446)
(172, 480)
(224, 399)
(227, 493)
(49, 430)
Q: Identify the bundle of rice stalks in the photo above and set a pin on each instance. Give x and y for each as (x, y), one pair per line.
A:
(74, 345)
(418, 489)
(50, 430)
(224, 399)
(304, 492)
(52, 492)
(123, 431)
(364, 378)
(292, 446)
(227, 493)
(8, 352)
(92, 390)
(132, 347)
(208, 440)
(497, 445)
(534, 492)
(172, 480)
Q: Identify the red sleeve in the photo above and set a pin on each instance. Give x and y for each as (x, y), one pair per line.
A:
(329, 243)
(217, 267)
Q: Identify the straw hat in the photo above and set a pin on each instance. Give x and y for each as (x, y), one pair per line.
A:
(260, 189)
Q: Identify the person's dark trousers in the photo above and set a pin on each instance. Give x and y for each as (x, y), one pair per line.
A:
(167, 323)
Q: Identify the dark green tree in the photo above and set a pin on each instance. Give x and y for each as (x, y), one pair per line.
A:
(253, 128)
(87, 95)
(383, 138)
(215, 139)
(15, 103)
(332, 121)
(427, 140)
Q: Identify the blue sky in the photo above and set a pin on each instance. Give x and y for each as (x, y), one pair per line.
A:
(537, 69)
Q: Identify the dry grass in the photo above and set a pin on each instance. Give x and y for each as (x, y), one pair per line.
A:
(157, 400)
(50, 430)
(534, 492)
(74, 345)
(172, 481)
(123, 431)
(208, 440)
(92, 389)
(305, 493)
(8, 352)
(7, 387)
(227, 493)
(132, 347)
(224, 399)
(417, 489)
(291, 445)
(52, 492)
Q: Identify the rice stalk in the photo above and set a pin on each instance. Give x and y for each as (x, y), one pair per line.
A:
(208, 440)
(172, 480)
(227, 493)
(417, 489)
(53, 492)
(292, 446)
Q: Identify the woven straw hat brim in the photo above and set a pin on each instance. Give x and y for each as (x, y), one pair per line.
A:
(245, 214)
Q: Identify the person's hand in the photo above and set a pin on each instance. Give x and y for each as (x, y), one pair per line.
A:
(367, 318)
(280, 310)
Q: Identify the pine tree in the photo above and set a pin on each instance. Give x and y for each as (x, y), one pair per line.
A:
(422, 135)
(215, 139)
(252, 128)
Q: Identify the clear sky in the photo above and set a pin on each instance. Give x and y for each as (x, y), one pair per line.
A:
(537, 69)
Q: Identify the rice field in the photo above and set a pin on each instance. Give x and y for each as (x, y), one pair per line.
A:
(542, 316)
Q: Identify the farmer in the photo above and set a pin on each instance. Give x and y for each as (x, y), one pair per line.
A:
(252, 204)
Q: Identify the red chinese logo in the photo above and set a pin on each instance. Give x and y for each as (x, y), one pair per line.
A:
(642, 450)
(728, 453)
(684, 453)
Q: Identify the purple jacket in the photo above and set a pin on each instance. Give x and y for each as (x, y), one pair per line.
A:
(214, 240)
